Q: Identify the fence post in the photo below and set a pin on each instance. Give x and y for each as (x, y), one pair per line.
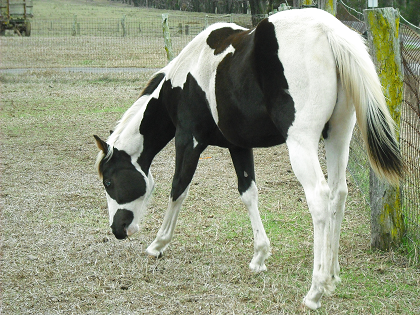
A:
(387, 224)
(329, 5)
(206, 21)
(123, 26)
(167, 37)
(74, 29)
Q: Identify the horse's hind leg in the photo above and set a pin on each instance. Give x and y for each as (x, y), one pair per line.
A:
(337, 141)
(305, 163)
(187, 156)
(244, 167)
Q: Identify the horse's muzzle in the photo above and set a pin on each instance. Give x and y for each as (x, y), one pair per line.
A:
(122, 220)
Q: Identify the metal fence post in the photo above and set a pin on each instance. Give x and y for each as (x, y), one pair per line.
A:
(167, 37)
(387, 224)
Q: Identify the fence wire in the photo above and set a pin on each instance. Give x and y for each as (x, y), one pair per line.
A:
(103, 43)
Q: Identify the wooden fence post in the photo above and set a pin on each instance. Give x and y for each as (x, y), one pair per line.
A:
(74, 26)
(167, 37)
(329, 5)
(307, 3)
(123, 26)
(387, 224)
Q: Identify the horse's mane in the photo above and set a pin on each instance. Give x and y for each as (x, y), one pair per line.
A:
(114, 136)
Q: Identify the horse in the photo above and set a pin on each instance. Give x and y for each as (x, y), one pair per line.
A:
(297, 77)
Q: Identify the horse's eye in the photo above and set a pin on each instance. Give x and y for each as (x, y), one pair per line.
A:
(107, 182)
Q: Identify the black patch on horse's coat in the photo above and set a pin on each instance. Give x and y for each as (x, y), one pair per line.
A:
(243, 161)
(152, 84)
(270, 73)
(326, 130)
(220, 39)
(157, 130)
(122, 181)
(190, 112)
(121, 221)
(254, 107)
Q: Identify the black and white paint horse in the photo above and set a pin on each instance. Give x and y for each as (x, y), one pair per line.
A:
(298, 75)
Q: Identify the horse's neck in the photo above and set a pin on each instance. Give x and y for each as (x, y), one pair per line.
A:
(127, 135)
(142, 135)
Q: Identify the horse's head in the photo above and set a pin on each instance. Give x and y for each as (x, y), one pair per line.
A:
(127, 188)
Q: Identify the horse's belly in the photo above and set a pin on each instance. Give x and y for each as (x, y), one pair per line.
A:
(252, 131)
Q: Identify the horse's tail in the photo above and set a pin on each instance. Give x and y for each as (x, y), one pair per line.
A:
(363, 88)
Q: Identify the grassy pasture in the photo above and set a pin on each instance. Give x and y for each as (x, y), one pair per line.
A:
(58, 256)
(99, 40)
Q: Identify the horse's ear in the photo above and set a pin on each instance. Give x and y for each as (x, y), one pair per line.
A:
(102, 145)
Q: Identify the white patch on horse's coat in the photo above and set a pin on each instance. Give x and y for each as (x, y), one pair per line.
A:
(126, 135)
(245, 174)
(164, 236)
(202, 63)
(261, 241)
(195, 142)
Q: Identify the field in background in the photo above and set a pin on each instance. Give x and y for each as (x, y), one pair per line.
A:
(101, 34)
(59, 257)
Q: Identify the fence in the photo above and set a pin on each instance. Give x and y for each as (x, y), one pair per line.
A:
(103, 43)
(127, 42)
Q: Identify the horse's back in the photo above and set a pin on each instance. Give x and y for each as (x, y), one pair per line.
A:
(258, 83)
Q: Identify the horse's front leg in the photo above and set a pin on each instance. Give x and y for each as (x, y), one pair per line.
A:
(244, 166)
(187, 156)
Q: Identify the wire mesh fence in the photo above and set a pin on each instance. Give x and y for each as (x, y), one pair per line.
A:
(103, 43)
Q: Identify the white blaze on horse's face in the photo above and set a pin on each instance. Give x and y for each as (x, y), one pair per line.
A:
(127, 190)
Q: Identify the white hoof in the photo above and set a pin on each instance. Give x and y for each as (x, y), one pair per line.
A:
(311, 304)
(153, 252)
(257, 267)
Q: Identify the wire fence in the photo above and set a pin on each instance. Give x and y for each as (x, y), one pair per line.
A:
(138, 43)
(409, 128)
(103, 43)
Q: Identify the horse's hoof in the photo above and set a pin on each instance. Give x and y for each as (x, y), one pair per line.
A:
(311, 304)
(257, 268)
(154, 253)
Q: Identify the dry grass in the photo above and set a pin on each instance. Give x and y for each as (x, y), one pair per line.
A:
(99, 41)
(58, 256)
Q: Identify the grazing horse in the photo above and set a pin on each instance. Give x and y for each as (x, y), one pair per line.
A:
(297, 76)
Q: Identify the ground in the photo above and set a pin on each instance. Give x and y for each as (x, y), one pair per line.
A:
(58, 255)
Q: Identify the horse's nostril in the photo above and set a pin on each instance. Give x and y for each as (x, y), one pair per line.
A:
(122, 220)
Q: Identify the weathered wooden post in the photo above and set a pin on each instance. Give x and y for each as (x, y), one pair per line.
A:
(328, 5)
(206, 21)
(74, 26)
(167, 37)
(387, 224)
(123, 26)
